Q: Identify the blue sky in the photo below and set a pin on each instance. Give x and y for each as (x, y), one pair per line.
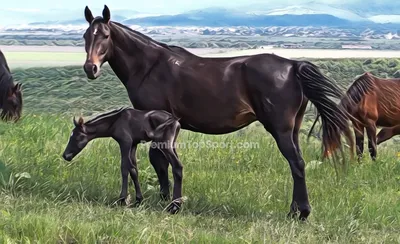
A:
(151, 6)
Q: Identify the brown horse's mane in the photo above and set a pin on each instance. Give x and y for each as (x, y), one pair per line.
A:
(362, 86)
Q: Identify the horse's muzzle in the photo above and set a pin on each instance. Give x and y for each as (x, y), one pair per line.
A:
(91, 70)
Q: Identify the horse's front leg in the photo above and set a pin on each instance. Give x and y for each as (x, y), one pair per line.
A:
(371, 133)
(125, 161)
(133, 170)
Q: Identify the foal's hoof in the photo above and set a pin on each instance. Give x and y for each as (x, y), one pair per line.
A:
(138, 202)
(122, 201)
(164, 197)
(174, 207)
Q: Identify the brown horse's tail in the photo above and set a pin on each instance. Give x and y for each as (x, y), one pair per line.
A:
(317, 88)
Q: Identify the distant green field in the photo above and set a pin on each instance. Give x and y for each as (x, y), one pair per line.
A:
(43, 59)
(233, 195)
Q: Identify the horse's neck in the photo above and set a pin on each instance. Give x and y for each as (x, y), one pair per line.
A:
(131, 64)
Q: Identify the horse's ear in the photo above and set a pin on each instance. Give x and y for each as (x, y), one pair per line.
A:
(17, 87)
(80, 121)
(106, 14)
(88, 15)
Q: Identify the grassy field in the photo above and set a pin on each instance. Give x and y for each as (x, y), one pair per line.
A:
(233, 195)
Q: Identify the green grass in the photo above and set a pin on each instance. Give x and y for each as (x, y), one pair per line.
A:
(233, 195)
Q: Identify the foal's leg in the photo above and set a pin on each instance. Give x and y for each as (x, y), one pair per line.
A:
(177, 169)
(160, 165)
(387, 133)
(371, 133)
(133, 170)
(125, 161)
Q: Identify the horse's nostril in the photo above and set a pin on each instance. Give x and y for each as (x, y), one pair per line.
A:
(94, 69)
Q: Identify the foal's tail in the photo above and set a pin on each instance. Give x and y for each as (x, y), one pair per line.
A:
(159, 130)
(317, 88)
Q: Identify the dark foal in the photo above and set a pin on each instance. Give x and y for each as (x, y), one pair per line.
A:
(129, 127)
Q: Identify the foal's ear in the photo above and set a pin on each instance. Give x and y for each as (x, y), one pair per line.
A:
(88, 15)
(80, 121)
(106, 14)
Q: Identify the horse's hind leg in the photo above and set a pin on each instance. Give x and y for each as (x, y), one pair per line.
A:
(297, 125)
(281, 128)
(387, 133)
(160, 165)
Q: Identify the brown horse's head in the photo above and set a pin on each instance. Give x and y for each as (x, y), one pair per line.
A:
(97, 42)
(11, 104)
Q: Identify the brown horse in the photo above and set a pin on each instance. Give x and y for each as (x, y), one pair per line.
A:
(218, 95)
(10, 93)
(373, 102)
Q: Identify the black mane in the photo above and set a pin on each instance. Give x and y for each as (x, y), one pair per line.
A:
(105, 115)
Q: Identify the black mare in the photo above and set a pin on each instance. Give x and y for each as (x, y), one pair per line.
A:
(219, 95)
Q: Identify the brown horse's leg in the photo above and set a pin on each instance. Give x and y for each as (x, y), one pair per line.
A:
(359, 135)
(297, 125)
(387, 133)
(371, 133)
(160, 165)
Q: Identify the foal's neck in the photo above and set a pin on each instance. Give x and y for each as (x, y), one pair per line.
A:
(101, 128)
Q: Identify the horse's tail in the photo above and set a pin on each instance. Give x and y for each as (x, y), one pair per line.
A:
(159, 130)
(317, 88)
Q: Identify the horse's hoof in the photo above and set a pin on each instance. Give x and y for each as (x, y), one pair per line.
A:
(291, 215)
(138, 202)
(123, 201)
(304, 214)
(164, 197)
(174, 207)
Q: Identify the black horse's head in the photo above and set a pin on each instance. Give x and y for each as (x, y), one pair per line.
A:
(11, 103)
(77, 141)
(98, 42)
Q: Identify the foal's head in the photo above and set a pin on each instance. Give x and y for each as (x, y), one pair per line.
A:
(77, 141)
(98, 43)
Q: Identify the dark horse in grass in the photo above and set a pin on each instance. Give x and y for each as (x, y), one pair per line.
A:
(10, 93)
(218, 95)
(373, 102)
(129, 127)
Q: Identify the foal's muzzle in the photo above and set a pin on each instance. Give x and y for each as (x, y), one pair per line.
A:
(67, 156)
(91, 70)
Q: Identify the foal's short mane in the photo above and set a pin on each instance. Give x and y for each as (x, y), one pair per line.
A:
(105, 115)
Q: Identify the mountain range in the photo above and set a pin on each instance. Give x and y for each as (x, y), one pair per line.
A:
(351, 15)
